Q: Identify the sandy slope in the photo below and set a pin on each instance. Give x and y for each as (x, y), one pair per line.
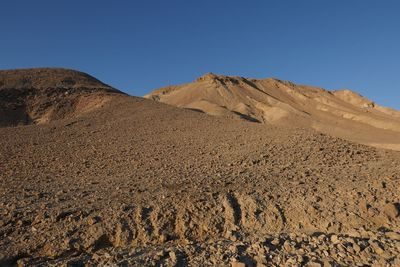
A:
(140, 183)
(339, 113)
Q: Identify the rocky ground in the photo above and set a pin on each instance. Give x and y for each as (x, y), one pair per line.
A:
(90, 176)
(362, 248)
(140, 183)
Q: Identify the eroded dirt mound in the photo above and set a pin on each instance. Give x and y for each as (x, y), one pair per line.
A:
(34, 96)
(146, 184)
(341, 113)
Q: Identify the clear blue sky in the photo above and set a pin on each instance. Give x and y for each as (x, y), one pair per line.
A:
(138, 46)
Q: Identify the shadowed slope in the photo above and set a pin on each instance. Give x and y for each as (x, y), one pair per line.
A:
(41, 95)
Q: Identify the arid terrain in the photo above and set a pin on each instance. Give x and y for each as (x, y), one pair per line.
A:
(91, 176)
(341, 113)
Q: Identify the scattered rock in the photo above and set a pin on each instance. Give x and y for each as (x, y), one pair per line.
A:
(238, 264)
(391, 210)
(313, 264)
(335, 239)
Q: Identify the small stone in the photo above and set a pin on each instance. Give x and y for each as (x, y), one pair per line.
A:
(391, 210)
(238, 264)
(377, 248)
(49, 250)
(379, 263)
(292, 236)
(300, 251)
(356, 248)
(287, 246)
(228, 234)
(23, 262)
(353, 233)
(313, 264)
(160, 253)
(392, 235)
(386, 255)
(299, 259)
(275, 242)
(321, 237)
(172, 256)
(342, 255)
(93, 220)
(107, 255)
(335, 239)
(96, 257)
(350, 249)
(233, 249)
(260, 259)
(396, 261)
(37, 219)
(291, 262)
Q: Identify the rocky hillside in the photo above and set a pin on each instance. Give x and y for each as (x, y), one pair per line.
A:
(141, 183)
(34, 96)
(340, 113)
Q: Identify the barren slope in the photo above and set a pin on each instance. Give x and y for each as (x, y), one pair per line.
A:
(339, 113)
(41, 95)
(141, 183)
(120, 180)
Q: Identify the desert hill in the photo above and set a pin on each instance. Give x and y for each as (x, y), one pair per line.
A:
(342, 113)
(136, 182)
(31, 96)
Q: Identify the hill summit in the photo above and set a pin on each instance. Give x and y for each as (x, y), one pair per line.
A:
(34, 96)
